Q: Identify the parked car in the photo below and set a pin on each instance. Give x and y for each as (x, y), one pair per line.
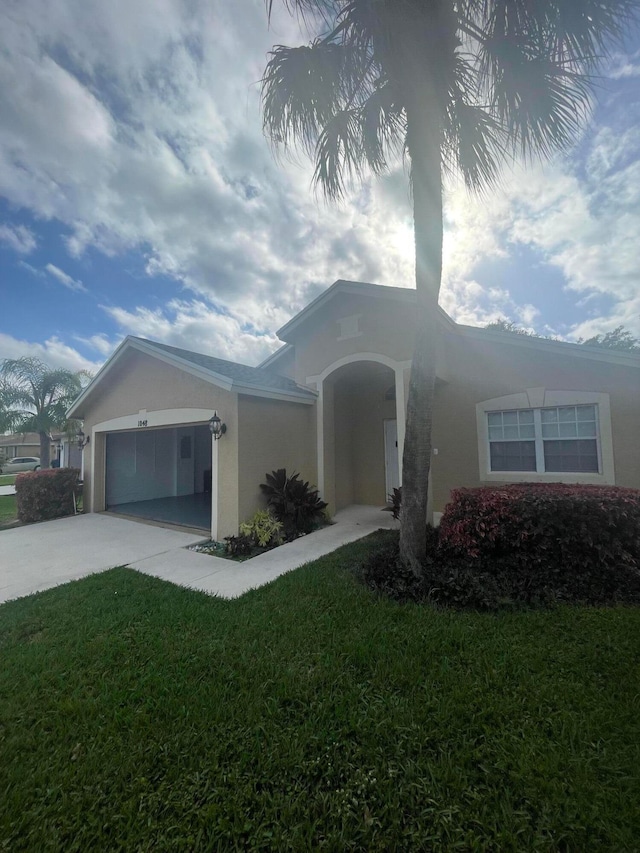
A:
(20, 463)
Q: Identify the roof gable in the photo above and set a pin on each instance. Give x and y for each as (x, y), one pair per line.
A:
(356, 288)
(408, 296)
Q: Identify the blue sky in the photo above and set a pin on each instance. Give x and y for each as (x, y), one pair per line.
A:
(139, 196)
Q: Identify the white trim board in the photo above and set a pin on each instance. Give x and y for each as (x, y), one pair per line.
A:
(154, 419)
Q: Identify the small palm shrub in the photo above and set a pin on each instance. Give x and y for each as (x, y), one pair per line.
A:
(293, 502)
(264, 529)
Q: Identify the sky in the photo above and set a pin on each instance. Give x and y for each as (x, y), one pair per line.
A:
(138, 195)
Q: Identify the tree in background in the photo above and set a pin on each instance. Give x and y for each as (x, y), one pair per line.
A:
(452, 84)
(35, 398)
(620, 339)
(504, 325)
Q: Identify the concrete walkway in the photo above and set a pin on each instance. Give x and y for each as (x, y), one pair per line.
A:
(40, 556)
(7, 490)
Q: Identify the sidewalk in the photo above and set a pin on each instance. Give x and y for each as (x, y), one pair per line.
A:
(230, 579)
(36, 557)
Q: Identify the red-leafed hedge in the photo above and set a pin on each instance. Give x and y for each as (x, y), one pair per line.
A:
(576, 542)
(41, 495)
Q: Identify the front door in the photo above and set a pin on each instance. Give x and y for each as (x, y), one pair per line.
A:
(391, 467)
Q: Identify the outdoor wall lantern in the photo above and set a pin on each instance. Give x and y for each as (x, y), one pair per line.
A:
(216, 427)
(82, 439)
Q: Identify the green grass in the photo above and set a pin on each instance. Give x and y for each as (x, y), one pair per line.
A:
(8, 510)
(310, 714)
(7, 479)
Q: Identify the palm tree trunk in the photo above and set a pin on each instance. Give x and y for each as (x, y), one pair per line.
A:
(45, 449)
(424, 143)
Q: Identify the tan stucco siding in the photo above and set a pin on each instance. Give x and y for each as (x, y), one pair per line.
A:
(285, 364)
(344, 444)
(384, 327)
(142, 383)
(272, 434)
(480, 370)
(359, 446)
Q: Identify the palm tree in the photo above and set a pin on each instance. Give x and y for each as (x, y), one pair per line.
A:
(35, 398)
(458, 85)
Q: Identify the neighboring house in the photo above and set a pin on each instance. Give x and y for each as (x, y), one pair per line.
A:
(28, 444)
(331, 405)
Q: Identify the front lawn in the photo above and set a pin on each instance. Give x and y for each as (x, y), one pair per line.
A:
(7, 479)
(310, 714)
(8, 510)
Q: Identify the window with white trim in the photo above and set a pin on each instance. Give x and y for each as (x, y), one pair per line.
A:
(548, 440)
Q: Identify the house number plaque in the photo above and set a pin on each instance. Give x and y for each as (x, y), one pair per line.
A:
(142, 423)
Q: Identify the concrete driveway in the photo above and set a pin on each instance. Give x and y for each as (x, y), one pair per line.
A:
(39, 556)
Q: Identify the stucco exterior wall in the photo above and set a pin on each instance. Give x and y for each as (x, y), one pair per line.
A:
(341, 462)
(272, 434)
(264, 434)
(384, 327)
(481, 370)
(142, 385)
(359, 443)
(285, 364)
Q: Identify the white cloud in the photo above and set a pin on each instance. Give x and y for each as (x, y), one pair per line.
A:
(625, 66)
(193, 325)
(52, 352)
(19, 238)
(137, 125)
(585, 225)
(100, 343)
(64, 279)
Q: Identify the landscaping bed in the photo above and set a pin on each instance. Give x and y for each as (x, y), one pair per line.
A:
(521, 545)
(293, 509)
(219, 549)
(312, 714)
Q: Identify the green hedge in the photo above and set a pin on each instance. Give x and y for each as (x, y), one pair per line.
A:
(41, 495)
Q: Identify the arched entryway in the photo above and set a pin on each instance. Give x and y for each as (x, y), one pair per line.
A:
(361, 416)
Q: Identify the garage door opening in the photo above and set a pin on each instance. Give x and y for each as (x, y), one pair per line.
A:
(161, 475)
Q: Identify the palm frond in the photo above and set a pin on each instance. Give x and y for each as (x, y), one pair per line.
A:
(34, 397)
(474, 144)
(542, 106)
(339, 158)
(501, 78)
(383, 129)
(580, 31)
(304, 87)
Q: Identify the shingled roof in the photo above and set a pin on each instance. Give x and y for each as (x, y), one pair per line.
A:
(238, 374)
(258, 381)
